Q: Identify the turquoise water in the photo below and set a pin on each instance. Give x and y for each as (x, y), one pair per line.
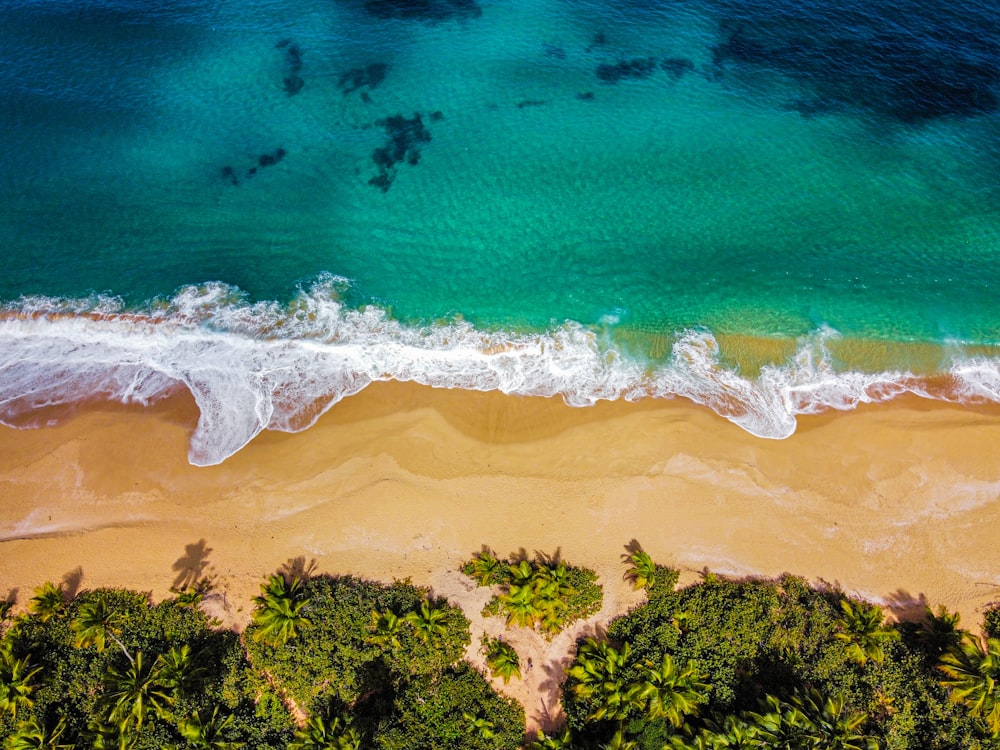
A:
(613, 187)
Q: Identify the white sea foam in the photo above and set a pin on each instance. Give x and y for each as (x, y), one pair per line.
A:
(261, 366)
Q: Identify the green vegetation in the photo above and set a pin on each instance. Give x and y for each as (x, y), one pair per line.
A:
(326, 663)
(543, 593)
(339, 663)
(501, 658)
(776, 664)
(991, 622)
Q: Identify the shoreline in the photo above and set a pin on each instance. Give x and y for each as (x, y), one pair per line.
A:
(896, 502)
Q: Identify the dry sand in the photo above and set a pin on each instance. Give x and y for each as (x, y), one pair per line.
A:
(896, 502)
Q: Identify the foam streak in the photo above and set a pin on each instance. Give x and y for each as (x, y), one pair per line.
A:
(261, 366)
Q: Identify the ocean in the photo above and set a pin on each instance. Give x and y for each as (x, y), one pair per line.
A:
(769, 207)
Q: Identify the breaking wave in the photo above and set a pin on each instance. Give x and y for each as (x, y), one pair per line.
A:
(266, 366)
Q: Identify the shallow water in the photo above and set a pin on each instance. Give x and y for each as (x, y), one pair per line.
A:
(619, 192)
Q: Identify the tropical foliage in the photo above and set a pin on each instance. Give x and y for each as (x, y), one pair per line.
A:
(641, 568)
(972, 675)
(501, 658)
(47, 602)
(376, 662)
(279, 609)
(543, 592)
(342, 663)
(111, 670)
(775, 664)
(370, 664)
(861, 629)
(991, 621)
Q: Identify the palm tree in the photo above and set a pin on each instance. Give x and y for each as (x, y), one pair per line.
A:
(521, 574)
(940, 633)
(642, 569)
(618, 742)
(47, 602)
(95, 622)
(783, 727)
(561, 741)
(190, 597)
(734, 733)
(831, 725)
(480, 726)
(501, 658)
(206, 734)
(701, 741)
(552, 581)
(862, 628)
(134, 695)
(486, 569)
(667, 692)
(429, 623)
(550, 591)
(598, 676)
(15, 681)
(385, 629)
(112, 737)
(519, 602)
(278, 613)
(325, 734)
(973, 679)
(30, 735)
(176, 669)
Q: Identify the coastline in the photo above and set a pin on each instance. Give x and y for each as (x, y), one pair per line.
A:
(892, 502)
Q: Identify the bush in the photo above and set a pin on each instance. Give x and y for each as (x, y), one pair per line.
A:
(991, 621)
(540, 593)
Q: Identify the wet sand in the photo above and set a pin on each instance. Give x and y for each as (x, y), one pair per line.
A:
(896, 502)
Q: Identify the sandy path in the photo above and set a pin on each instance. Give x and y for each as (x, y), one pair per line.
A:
(896, 502)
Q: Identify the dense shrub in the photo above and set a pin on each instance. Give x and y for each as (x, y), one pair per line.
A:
(765, 657)
(543, 593)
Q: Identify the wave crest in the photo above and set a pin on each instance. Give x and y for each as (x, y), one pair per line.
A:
(256, 366)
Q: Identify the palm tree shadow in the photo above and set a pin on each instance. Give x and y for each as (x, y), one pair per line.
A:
(296, 568)
(907, 608)
(632, 548)
(191, 567)
(549, 715)
(520, 555)
(548, 560)
(71, 583)
(555, 674)
(7, 603)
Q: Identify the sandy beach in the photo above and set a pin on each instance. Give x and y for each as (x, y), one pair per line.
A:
(896, 502)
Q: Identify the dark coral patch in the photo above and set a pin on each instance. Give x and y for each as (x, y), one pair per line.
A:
(365, 78)
(599, 40)
(269, 160)
(429, 11)
(640, 67)
(585, 96)
(405, 137)
(677, 67)
(292, 82)
(294, 56)
(264, 160)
